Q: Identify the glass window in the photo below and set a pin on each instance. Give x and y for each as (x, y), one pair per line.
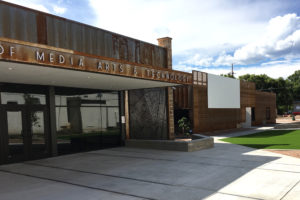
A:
(23, 98)
(87, 121)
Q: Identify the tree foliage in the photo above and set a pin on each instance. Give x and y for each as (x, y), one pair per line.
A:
(294, 81)
(287, 90)
(229, 75)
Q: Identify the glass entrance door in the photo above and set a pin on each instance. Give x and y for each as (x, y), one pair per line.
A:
(27, 133)
(38, 133)
(15, 135)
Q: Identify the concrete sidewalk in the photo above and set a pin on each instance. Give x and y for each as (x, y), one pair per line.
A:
(227, 171)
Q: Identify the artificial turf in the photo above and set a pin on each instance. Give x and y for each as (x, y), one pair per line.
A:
(275, 139)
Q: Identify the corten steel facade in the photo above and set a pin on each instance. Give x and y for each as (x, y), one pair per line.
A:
(70, 87)
(67, 87)
(194, 100)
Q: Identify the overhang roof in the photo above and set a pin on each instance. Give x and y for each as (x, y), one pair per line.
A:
(11, 72)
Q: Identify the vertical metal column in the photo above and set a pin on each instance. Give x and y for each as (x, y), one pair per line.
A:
(52, 120)
(2, 137)
(122, 116)
(127, 115)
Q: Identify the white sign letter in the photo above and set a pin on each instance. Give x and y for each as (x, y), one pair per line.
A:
(106, 66)
(11, 51)
(40, 56)
(99, 66)
(61, 59)
(80, 63)
(1, 50)
(51, 57)
(121, 68)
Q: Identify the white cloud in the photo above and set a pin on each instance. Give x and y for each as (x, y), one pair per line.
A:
(59, 10)
(198, 59)
(274, 69)
(33, 4)
(192, 24)
(281, 40)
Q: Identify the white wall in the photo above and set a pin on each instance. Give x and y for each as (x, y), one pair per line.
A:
(247, 123)
(223, 92)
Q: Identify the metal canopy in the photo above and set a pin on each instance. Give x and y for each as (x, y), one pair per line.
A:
(11, 72)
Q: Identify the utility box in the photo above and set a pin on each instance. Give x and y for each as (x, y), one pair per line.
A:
(296, 110)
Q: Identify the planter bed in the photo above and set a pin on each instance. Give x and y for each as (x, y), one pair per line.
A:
(197, 142)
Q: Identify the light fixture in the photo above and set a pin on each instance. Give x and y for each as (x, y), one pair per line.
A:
(10, 68)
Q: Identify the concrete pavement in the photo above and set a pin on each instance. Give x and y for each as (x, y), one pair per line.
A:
(227, 171)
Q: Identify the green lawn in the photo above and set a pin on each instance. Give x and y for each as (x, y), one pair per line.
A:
(278, 139)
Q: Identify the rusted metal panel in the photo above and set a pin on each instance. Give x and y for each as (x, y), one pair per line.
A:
(99, 40)
(247, 90)
(183, 97)
(41, 23)
(115, 46)
(28, 25)
(50, 31)
(264, 100)
(16, 23)
(32, 53)
(131, 51)
(137, 52)
(108, 44)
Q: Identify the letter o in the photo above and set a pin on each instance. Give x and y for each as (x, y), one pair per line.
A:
(1, 50)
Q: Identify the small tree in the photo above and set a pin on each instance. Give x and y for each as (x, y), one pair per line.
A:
(29, 100)
(184, 124)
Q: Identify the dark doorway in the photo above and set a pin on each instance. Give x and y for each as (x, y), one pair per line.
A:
(24, 132)
(178, 114)
(253, 114)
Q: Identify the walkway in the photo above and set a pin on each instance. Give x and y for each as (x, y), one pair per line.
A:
(227, 171)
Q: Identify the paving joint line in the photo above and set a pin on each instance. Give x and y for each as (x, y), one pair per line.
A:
(197, 156)
(277, 170)
(130, 156)
(239, 195)
(101, 174)
(286, 164)
(121, 177)
(69, 183)
(190, 162)
(289, 190)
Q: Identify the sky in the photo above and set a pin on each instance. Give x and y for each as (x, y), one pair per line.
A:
(256, 36)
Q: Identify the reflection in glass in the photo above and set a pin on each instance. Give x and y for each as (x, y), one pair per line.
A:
(87, 121)
(15, 134)
(22, 98)
(38, 132)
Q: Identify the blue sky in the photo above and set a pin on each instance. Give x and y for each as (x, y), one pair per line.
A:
(257, 36)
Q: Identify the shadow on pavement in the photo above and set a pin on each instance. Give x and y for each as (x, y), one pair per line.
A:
(138, 173)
